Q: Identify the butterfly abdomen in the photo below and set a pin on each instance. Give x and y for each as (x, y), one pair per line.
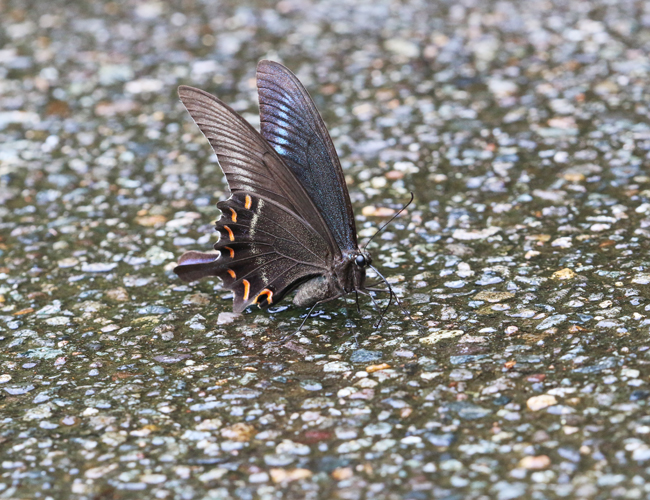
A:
(315, 290)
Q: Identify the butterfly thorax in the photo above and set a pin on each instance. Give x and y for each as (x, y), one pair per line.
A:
(348, 274)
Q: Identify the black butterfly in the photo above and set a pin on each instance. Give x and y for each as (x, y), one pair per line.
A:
(289, 222)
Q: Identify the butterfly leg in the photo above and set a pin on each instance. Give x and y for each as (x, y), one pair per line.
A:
(284, 339)
(418, 325)
(355, 336)
(377, 306)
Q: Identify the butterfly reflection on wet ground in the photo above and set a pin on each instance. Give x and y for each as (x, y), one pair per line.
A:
(288, 224)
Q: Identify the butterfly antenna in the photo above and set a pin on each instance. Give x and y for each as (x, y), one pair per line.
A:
(391, 294)
(391, 220)
(419, 326)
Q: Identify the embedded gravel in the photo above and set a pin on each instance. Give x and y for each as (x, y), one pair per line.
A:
(522, 128)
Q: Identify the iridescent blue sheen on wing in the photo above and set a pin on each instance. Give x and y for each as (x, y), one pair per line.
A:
(291, 123)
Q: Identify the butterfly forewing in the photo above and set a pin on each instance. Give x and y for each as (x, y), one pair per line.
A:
(248, 161)
(291, 123)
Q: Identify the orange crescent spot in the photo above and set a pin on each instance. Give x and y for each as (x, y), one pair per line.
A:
(269, 296)
(247, 288)
(248, 203)
(230, 233)
(234, 215)
(231, 273)
(232, 252)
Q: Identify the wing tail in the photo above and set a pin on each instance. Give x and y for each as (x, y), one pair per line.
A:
(193, 266)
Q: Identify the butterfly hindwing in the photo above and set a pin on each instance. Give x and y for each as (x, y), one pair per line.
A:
(291, 123)
(264, 251)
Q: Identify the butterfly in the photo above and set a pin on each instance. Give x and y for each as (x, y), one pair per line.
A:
(288, 224)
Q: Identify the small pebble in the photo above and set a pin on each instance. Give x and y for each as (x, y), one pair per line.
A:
(535, 462)
(537, 403)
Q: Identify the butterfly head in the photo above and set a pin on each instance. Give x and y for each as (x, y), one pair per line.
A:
(353, 270)
(362, 259)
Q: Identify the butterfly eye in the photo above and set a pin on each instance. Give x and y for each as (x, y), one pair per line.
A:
(360, 261)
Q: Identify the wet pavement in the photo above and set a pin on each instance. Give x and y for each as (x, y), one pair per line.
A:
(523, 130)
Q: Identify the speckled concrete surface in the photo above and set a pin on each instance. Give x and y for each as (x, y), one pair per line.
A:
(522, 128)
